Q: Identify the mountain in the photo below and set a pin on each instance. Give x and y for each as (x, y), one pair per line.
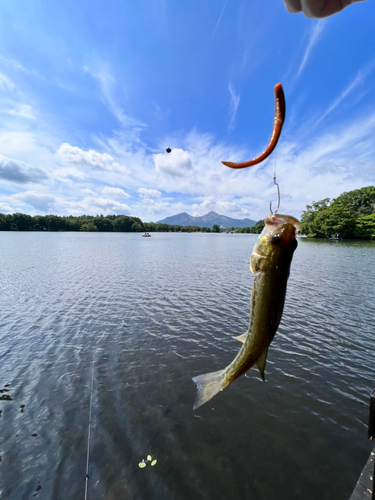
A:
(207, 220)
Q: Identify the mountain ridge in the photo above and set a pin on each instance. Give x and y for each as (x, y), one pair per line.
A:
(208, 220)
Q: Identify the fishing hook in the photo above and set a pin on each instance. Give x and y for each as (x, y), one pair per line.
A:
(278, 196)
(278, 123)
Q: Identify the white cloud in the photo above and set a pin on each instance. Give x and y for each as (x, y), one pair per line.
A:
(62, 173)
(177, 163)
(341, 159)
(41, 202)
(18, 172)
(314, 36)
(191, 176)
(108, 86)
(334, 162)
(115, 192)
(194, 169)
(161, 207)
(5, 208)
(207, 205)
(228, 207)
(22, 110)
(149, 193)
(6, 83)
(234, 103)
(95, 160)
(29, 146)
(218, 22)
(93, 205)
(358, 80)
(13, 64)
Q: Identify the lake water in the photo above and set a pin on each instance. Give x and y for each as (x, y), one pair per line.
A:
(135, 319)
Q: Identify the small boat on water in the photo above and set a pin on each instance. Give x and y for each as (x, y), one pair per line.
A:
(146, 235)
(334, 239)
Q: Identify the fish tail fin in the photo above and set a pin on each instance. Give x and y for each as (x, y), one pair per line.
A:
(208, 385)
(242, 337)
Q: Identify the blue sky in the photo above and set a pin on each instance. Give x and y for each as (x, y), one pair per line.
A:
(93, 92)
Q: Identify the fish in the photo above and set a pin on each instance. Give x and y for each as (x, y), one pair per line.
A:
(270, 263)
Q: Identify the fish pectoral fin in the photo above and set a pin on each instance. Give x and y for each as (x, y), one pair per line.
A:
(241, 338)
(261, 362)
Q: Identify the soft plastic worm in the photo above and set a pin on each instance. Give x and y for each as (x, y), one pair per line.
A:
(276, 131)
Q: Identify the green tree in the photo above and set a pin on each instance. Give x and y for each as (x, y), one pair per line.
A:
(149, 226)
(103, 224)
(162, 227)
(22, 222)
(365, 227)
(4, 225)
(73, 223)
(215, 228)
(55, 223)
(138, 221)
(39, 223)
(123, 223)
(313, 218)
(89, 226)
(258, 227)
(359, 202)
(136, 227)
(335, 220)
(349, 215)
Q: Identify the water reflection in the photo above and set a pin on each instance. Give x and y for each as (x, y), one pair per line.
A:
(152, 313)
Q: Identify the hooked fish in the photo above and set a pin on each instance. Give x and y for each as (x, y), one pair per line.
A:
(270, 262)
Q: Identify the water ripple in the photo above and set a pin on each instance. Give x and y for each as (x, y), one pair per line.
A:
(151, 314)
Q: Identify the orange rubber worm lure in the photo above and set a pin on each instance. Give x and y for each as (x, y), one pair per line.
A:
(276, 131)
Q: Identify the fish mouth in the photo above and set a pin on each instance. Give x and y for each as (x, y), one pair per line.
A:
(276, 223)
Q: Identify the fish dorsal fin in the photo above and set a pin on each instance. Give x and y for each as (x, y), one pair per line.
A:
(261, 362)
(241, 338)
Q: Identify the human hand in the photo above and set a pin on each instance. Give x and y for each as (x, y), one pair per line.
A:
(317, 8)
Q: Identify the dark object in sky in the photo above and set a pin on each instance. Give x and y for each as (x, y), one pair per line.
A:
(168, 150)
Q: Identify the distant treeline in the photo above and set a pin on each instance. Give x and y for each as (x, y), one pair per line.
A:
(351, 215)
(118, 223)
(256, 229)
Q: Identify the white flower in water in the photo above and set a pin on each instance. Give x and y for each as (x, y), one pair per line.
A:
(142, 464)
(149, 458)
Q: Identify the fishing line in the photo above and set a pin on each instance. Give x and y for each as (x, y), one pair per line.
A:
(90, 410)
(142, 214)
(89, 429)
